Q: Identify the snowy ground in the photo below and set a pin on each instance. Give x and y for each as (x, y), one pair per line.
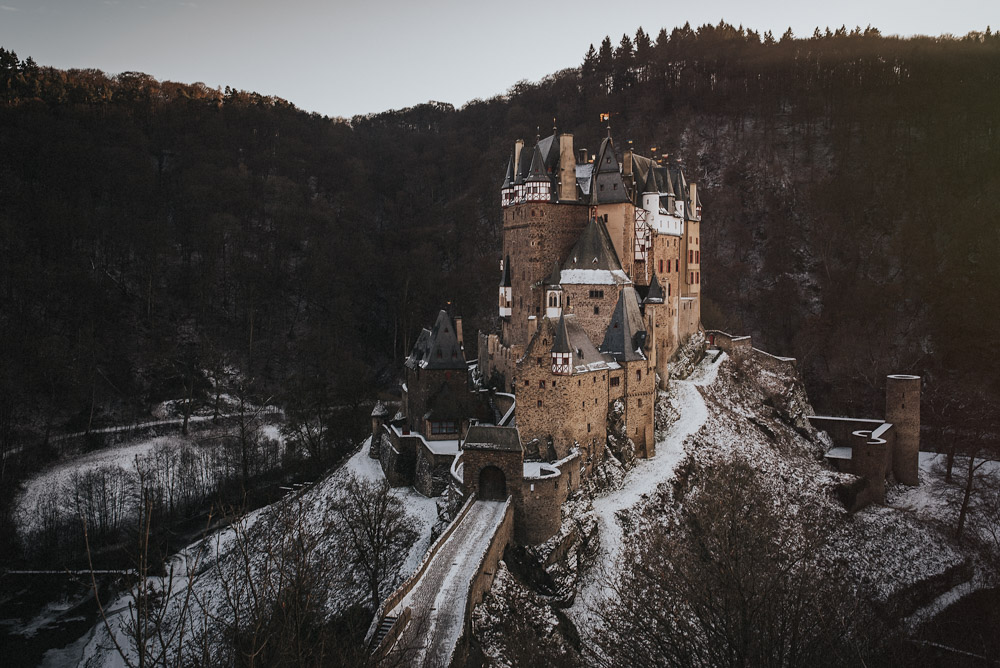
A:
(639, 485)
(201, 560)
(58, 477)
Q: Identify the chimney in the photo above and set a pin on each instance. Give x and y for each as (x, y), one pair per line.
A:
(693, 191)
(582, 159)
(567, 169)
(518, 145)
(458, 332)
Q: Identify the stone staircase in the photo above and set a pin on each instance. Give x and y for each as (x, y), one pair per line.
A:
(383, 629)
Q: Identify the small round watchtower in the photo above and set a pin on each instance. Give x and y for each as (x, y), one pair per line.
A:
(902, 409)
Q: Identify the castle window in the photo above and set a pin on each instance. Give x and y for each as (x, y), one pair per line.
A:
(553, 383)
(578, 383)
(526, 383)
(597, 294)
(588, 427)
(661, 266)
(597, 310)
(697, 277)
(583, 404)
(539, 403)
(594, 379)
(615, 380)
(602, 186)
(541, 384)
(615, 187)
(697, 257)
(640, 403)
(691, 256)
(539, 361)
(444, 427)
(677, 265)
(638, 374)
(668, 289)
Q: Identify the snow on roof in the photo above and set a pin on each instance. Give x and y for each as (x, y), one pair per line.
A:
(539, 471)
(594, 277)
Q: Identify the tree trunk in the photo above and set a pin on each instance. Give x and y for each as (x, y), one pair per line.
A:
(963, 513)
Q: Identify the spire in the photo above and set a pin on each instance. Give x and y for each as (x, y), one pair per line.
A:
(554, 277)
(508, 181)
(505, 277)
(651, 186)
(537, 170)
(655, 294)
(594, 249)
(626, 334)
(560, 344)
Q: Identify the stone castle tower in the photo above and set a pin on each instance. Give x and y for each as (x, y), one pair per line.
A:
(600, 283)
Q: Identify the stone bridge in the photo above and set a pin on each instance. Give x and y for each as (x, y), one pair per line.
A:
(427, 620)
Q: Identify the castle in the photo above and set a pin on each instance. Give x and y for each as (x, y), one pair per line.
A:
(599, 285)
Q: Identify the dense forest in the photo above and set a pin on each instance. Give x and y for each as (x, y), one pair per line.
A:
(155, 235)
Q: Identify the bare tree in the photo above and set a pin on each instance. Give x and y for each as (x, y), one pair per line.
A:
(733, 582)
(377, 531)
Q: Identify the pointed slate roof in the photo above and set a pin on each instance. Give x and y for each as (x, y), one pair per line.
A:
(508, 181)
(537, 171)
(608, 186)
(655, 293)
(650, 186)
(560, 344)
(437, 348)
(593, 260)
(505, 276)
(626, 334)
(554, 277)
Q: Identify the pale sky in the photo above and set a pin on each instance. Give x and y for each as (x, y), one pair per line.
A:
(346, 57)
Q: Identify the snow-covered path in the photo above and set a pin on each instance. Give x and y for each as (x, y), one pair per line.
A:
(639, 484)
(439, 598)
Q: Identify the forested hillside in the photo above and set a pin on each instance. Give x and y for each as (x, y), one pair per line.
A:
(153, 233)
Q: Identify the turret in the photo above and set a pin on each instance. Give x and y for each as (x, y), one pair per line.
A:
(507, 190)
(538, 185)
(553, 294)
(518, 196)
(651, 193)
(505, 292)
(902, 409)
(562, 353)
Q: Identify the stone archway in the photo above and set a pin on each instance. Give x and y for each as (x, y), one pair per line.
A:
(492, 484)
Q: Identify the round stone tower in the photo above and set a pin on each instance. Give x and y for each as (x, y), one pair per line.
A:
(868, 459)
(902, 409)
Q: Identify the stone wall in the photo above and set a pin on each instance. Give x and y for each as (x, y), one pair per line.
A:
(398, 457)
(535, 236)
(570, 409)
(773, 363)
(432, 471)
(640, 397)
(579, 302)
(422, 384)
(541, 514)
(737, 347)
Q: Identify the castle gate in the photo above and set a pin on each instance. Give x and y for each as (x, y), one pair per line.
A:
(492, 484)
